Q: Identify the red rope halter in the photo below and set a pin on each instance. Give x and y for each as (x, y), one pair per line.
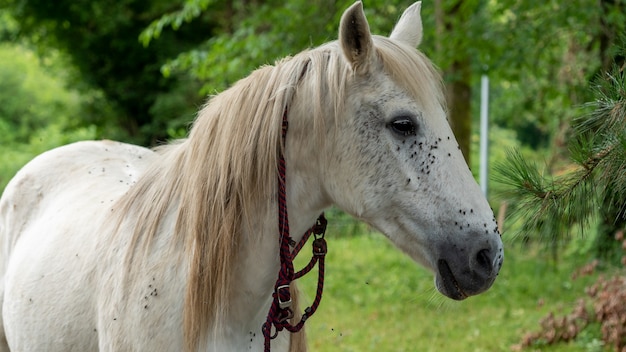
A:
(280, 311)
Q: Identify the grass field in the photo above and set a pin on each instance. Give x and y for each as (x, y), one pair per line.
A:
(377, 299)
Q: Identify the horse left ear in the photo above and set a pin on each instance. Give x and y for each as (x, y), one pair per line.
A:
(355, 38)
(409, 27)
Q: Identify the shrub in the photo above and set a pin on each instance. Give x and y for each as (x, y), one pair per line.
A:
(603, 305)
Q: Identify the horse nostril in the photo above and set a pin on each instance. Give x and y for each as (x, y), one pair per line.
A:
(484, 262)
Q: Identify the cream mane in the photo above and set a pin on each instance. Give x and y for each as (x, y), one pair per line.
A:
(214, 180)
(413, 71)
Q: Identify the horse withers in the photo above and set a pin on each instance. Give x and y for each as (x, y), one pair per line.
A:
(113, 247)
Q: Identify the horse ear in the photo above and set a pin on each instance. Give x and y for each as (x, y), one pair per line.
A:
(355, 38)
(409, 27)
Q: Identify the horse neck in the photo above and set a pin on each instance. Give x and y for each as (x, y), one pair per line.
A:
(259, 248)
(257, 269)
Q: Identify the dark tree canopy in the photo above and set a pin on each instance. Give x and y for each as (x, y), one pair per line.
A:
(101, 39)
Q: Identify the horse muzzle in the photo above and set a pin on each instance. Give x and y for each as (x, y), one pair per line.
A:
(460, 274)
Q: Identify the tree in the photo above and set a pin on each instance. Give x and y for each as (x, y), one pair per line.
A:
(551, 204)
(540, 56)
(101, 40)
(251, 34)
(451, 18)
(36, 110)
(611, 26)
(250, 40)
(590, 48)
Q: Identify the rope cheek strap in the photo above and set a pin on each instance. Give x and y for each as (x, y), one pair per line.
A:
(280, 311)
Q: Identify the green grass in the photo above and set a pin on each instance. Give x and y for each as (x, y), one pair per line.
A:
(377, 299)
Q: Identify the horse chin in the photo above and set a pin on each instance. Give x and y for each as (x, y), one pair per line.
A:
(447, 284)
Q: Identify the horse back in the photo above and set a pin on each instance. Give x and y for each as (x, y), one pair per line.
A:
(49, 218)
(79, 172)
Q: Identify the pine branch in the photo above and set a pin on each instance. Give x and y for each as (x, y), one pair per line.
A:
(553, 204)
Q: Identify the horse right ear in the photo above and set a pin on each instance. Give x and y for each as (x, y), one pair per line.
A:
(409, 27)
(355, 38)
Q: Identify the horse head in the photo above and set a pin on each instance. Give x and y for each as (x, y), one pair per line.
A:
(390, 158)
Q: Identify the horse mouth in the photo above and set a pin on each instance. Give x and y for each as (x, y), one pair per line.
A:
(447, 284)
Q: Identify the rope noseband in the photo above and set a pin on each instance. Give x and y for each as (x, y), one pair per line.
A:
(280, 311)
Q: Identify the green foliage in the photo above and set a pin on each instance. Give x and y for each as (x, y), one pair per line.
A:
(8, 26)
(552, 201)
(253, 35)
(189, 11)
(540, 56)
(29, 99)
(545, 203)
(37, 112)
(501, 140)
(101, 41)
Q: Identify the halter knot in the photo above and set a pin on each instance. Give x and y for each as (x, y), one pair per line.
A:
(319, 247)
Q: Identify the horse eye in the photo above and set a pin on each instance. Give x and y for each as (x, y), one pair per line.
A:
(403, 126)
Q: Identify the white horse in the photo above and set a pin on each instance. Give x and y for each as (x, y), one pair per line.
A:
(113, 247)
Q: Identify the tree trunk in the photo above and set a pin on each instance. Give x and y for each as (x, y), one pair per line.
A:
(448, 20)
(459, 103)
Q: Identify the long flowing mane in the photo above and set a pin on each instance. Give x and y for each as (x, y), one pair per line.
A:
(212, 181)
